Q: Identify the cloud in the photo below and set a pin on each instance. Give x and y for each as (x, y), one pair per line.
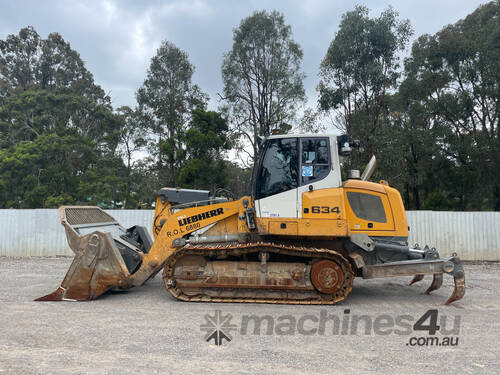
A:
(117, 39)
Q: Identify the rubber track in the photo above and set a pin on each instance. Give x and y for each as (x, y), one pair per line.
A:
(239, 249)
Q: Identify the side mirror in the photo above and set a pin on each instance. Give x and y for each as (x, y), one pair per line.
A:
(346, 144)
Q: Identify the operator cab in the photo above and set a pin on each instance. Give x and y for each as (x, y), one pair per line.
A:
(290, 165)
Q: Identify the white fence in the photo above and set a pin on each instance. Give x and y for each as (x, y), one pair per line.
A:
(39, 232)
(473, 235)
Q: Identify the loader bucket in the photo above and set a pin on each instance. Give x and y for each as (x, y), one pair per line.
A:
(100, 259)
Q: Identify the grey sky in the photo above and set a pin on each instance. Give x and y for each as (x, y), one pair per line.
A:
(116, 39)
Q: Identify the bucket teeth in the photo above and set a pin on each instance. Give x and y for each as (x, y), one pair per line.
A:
(57, 295)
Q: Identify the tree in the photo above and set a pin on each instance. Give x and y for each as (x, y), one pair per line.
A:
(26, 115)
(132, 140)
(457, 71)
(410, 147)
(206, 141)
(45, 87)
(360, 69)
(263, 84)
(58, 134)
(28, 62)
(239, 179)
(45, 172)
(167, 97)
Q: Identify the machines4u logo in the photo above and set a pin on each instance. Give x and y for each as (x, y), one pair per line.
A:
(218, 327)
(421, 329)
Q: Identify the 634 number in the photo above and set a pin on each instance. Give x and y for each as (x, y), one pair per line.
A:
(324, 210)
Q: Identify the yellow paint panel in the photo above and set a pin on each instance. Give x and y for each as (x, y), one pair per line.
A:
(323, 204)
(304, 227)
(393, 206)
(283, 227)
(366, 185)
(322, 227)
(223, 227)
(177, 225)
(357, 224)
(398, 212)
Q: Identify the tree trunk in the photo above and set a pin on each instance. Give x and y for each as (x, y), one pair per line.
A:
(416, 197)
(407, 196)
(496, 197)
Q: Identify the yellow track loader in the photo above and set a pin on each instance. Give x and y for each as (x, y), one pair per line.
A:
(301, 238)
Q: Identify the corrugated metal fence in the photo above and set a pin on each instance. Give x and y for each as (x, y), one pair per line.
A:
(473, 235)
(39, 232)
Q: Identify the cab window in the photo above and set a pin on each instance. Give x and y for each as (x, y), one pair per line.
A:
(315, 162)
(278, 172)
(367, 206)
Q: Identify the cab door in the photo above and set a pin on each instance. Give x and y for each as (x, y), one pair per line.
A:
(316, 168)
(277, 179)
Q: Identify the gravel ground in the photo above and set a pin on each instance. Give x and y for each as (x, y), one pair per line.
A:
(144, 330)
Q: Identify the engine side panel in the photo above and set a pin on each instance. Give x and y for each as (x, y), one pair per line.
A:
(358, 207)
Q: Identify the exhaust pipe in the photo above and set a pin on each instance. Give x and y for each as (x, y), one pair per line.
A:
(370, 168)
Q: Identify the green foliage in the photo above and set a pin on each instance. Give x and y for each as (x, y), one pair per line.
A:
(26, 115)
(49, 168)
(28, 62)
(434, 125)
(133, 139)
(360, 69)
(451, 85)
(166, 100)
(240, 179)
(436, 201)
(206, 141)
(263, 84)
(436, 132)
(58, 134)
